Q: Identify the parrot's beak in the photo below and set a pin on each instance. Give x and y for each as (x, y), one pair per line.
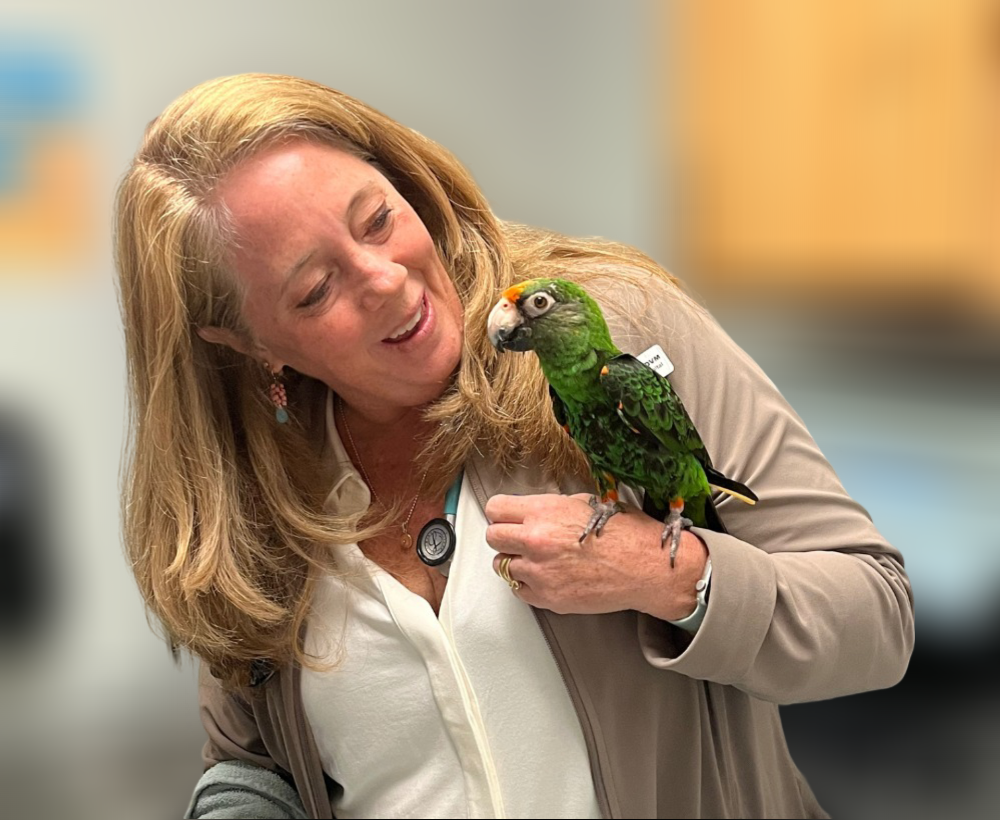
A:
(506, 327)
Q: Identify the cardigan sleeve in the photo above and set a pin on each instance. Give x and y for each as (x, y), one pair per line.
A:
(808, 600)
(241, 779)
(233, 788)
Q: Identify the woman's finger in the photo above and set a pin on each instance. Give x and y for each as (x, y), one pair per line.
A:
(509, 509)
(505, 566)
(506, 537)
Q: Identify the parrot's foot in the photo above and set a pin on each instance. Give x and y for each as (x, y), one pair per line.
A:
(675, 525)
(603, 510)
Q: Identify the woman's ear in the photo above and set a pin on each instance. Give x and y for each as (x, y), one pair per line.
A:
(228, 338)
(241, 344)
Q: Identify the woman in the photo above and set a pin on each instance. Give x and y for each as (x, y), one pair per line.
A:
(305, 286)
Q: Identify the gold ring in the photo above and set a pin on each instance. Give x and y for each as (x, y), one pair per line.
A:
(505, 568)
(515, 585)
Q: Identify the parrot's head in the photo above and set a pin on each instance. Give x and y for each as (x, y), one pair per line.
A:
(548, 316)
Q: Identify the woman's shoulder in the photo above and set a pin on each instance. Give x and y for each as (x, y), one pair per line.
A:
(643, 307)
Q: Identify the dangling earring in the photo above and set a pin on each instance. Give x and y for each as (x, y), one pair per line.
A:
(278, 396)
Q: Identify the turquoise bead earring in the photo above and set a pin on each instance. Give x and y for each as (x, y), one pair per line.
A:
(278, 396)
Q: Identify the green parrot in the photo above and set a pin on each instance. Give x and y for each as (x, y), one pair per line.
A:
(623, 415)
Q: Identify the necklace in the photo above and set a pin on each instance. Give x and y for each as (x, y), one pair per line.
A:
(405, 539)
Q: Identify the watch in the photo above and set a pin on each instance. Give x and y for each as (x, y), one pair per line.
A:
(693, 621)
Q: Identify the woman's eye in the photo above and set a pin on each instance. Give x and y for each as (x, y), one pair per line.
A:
(316, 294)
(380, 221)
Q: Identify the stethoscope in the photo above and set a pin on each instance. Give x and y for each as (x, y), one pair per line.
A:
(437, 539)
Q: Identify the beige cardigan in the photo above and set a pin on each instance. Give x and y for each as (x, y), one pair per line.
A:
(808, 602)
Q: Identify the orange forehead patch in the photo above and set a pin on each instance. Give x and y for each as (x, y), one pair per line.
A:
(513, 293)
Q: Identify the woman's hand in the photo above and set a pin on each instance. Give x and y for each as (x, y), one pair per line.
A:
(623, 568)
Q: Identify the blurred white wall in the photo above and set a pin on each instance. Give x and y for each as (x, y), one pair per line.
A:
(546, 102)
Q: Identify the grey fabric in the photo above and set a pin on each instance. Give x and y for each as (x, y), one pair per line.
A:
(235, 789)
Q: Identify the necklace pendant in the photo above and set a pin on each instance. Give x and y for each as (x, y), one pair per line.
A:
(406, 540)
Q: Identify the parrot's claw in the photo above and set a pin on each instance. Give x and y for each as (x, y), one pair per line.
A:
(603, 510)
(675, 525)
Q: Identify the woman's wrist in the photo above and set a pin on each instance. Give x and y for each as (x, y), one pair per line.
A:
(671, 594)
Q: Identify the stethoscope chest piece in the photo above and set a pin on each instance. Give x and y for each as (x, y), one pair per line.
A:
(437, 539)
(436, 542)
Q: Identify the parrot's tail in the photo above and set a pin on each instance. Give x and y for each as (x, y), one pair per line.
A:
(718, 481)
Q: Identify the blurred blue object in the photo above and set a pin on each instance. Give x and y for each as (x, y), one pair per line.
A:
(41, 84)
(908, 418)
(940, 511)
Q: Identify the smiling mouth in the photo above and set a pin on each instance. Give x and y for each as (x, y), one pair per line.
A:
(408, 330)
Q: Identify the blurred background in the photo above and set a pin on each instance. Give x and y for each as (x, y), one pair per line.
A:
(823, 175)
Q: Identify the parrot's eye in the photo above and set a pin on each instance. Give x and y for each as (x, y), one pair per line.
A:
(538, 304)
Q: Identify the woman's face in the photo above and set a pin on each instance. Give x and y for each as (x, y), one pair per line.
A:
(342, 281)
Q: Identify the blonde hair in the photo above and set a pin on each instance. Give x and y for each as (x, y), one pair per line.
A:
(222, 507)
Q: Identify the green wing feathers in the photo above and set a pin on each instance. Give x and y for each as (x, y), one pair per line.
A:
(648, 404)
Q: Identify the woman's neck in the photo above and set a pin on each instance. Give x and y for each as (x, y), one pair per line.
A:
(386, 445)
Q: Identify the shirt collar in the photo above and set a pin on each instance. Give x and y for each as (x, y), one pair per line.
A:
(349, 494)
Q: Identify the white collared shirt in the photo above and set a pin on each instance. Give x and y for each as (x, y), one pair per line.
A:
(462, 715)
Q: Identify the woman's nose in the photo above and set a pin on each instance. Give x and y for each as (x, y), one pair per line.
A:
(381, 278)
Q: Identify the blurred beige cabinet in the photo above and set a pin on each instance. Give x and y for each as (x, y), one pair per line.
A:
(844, 149)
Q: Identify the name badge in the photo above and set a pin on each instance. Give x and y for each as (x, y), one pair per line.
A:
(655, 359)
